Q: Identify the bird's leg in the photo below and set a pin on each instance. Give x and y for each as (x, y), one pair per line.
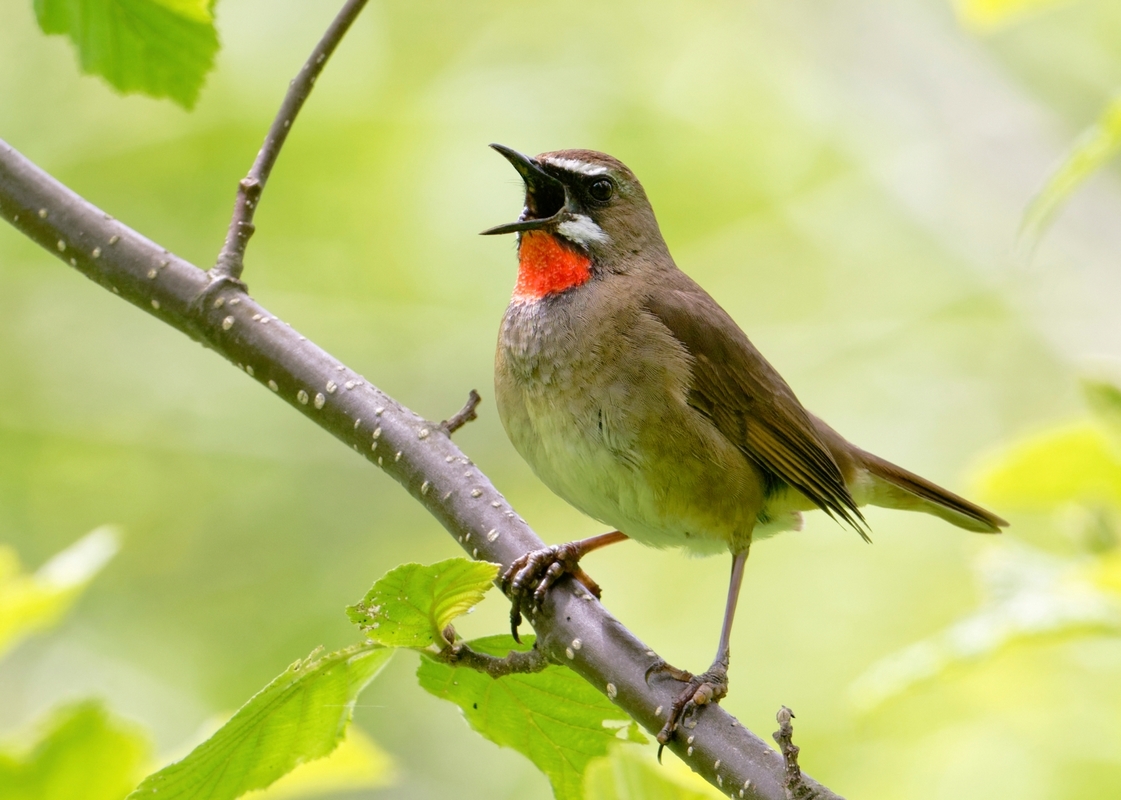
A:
(542, 568)
(711, 686)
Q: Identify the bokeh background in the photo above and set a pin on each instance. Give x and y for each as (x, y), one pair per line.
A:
(846, 177)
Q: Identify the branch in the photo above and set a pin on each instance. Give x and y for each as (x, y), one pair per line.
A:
(516, 661)
(796, 788)
(231, 259)
(572, 627)
(464, 415)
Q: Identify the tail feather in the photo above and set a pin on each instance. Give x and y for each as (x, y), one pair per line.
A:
(895, 487)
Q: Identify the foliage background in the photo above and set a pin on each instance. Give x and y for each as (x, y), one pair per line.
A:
(845, 177)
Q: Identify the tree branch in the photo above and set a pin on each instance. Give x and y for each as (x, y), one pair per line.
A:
(796, 788)
(231, 259)
(516, 661)
(572, 627)
(464, 415)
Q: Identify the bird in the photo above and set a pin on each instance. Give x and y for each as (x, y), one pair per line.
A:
(637, 399)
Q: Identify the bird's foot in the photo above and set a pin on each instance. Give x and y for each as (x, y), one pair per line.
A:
(699, 690)
(530, 576)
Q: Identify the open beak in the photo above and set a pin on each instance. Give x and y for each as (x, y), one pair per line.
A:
(544, 195)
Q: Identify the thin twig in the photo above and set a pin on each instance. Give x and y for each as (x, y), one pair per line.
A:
(231, 259)
(514, 662)
(464, 415)
(796, 789)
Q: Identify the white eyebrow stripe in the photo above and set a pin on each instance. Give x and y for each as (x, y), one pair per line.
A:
(582, 230)
(573, 165)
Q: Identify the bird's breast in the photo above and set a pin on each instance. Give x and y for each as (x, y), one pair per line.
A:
(537, 345)
(593, 398)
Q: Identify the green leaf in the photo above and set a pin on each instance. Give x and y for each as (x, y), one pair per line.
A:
(162, 48)
(1077, 464)
(411, 605)
(34, 602)
(299, 717)
(988, 14)
(358, 763)
(82, 752)
(628, 774)
(1097, 145)
(554, 718)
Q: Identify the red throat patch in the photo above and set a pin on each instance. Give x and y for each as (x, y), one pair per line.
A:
(547, 266)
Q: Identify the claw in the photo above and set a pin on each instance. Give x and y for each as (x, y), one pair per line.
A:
(542, 568)
(700, 690)
(515, 618)
(536, 571)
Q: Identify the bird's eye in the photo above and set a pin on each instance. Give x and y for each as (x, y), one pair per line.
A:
(601, 190)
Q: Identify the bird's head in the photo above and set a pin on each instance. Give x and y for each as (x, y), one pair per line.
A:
(585, 213)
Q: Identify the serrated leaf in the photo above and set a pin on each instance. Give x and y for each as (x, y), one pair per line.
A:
(358, 763)
(31, 602)
(554, 717)
(299, 717)
(988, 14)
(1091, 150)
(411, 605)
(628, 774)
(1075, 464)
(82, 752)
(162, 48)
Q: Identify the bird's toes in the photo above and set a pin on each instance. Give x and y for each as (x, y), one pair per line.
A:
(554, 571)
(527, 580)
(523, 577)
(506, 581)
(699, 690)
(662, 667)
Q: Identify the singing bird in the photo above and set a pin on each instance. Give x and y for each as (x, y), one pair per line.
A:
(635, 397)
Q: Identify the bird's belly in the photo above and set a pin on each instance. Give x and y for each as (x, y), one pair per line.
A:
(614, 486)
(613, 447)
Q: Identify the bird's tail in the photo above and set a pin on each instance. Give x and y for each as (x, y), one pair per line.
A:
(895, 487)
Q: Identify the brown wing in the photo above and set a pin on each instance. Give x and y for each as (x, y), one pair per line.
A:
(748, 401)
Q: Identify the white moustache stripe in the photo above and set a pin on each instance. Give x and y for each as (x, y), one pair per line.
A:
(572, 165)
(582, 230)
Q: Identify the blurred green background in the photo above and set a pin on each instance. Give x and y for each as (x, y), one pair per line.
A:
(846, 178)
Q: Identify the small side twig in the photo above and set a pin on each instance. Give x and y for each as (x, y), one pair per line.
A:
(515, 661)
(784, 737)
(231, 259)
(464, 415)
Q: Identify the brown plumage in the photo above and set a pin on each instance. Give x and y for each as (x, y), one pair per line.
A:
(907, 491)
(638, 399)
(749, 402)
